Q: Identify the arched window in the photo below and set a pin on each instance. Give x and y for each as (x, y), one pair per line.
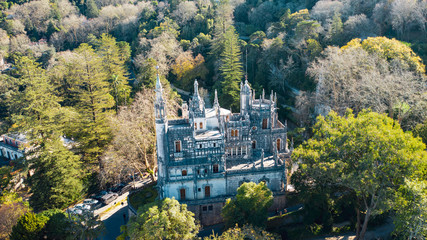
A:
(232, 132)
(184, 172)
(264, 123)
(195, 126)
(201, 125)
(253, 144)
(177, 146)
(236, 133)
(278, 142)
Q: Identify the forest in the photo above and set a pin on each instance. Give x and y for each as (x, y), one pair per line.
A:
(84, 71)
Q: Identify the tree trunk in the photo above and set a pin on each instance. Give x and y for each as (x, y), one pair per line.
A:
(365, 224)
(358, 223)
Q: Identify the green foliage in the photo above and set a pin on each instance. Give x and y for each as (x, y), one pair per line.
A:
(166, 219)
(336, 30)
(57, 178)
(91, 10)
(411, 210)
(246, 232)
(58, 225)
(35, 109)
(6, 176)
(91, 87)
(12, 208)
(421, 131)
(85, 226)
(113, 60)
(140, 198)
(29, 227)
(369, 155)
(231, 70)
(147, 76)
(249, 206)
(390, 49)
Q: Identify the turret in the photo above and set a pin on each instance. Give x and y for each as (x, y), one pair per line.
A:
(245, 98)
(216, 103)
(161, 126)
(159, 105)
(197, 105)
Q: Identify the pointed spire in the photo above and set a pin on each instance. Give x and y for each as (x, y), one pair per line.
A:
(253, 94)
(263, 94)
(292, 144)
(196, 88)
(216, 103)
(275, 98)
(158, 83)
(241, 86)
(271, 96)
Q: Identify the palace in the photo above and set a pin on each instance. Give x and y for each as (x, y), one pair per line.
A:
(207, 154)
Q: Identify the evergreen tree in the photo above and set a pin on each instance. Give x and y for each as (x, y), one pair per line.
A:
(231, 70)
(91, 10)
(29, 227)
(35, 109)
(91, 87)
(57, 178)
(113, 61)
(335, 30)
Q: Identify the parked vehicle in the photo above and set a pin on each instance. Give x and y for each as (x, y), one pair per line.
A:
(82, 206)
(125, 189)
(93, 203)
(106, 199)
(121, 188)
(100, 195)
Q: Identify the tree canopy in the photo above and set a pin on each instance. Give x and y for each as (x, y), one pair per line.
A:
(369, 155)
(166, 219)
(249, 206)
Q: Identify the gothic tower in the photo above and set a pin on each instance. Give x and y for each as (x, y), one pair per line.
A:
(245, 98)
(161, 126)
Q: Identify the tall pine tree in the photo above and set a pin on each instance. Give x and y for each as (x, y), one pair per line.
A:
(35, 108)
(231, 70)
(114, 64)
(92, 88)
(57, 177)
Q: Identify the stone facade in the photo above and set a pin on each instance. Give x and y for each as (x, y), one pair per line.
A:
(12, 146)
(205, 156)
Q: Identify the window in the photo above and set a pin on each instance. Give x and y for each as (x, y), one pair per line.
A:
(182, 193)
(214, 145)
(253, 144)
(236, 133)
(200, 145)
(205, 208)
(184, 172)
(264, 123)
(195, 126)
(215, 168)
(206, 170)
(201, 125)
(278, 144)
(253, 128)
(210, 207)
(232, 132)
(199, 189)
(207, 191)
(177, 146)
(198, 173)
